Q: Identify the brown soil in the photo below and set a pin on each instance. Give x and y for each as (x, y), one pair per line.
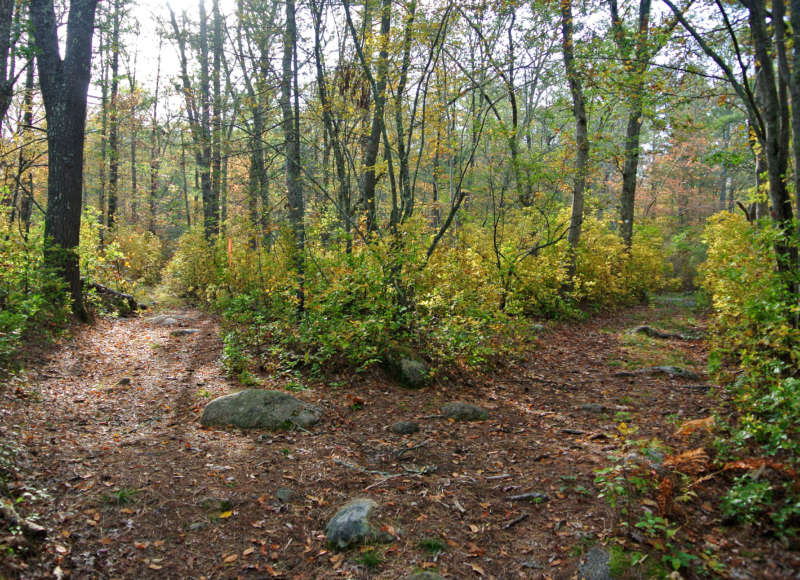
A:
(130, 485)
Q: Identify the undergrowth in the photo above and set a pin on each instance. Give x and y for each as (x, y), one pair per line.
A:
(463, 305)
(756, 353)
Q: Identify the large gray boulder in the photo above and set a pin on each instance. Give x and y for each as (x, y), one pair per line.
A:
(352, 525)
(260, 409)
(460, 411)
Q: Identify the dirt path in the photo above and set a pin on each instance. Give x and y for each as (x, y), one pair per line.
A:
(130, 485)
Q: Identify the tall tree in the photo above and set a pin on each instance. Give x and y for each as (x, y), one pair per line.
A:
(581, 127)
(255, 37)
(9, 35)
(155, 157)
(637, 62)
(378, 81)
(64, 83)
(114, 121)
(767, 111)
(290, 108)
(199, 115)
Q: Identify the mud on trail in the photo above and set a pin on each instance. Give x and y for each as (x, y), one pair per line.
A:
(128, 483)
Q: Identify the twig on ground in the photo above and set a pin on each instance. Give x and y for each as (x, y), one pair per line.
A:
(533, 496)
(502, 476)
(28, 528)
(573, 432)
(515, 521)
(384, 480)
(344, 463)
(400, 452)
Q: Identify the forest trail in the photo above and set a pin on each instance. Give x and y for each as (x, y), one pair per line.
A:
(130, 485)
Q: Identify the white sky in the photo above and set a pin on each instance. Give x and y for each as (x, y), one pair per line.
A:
(144, 48)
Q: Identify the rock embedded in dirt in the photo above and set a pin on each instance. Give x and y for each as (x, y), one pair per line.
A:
(596, 565)
(405, 427)
(352, 525)
(672, 371)
(284, 494)
(260, 409)
(593, 408)
(656, 333)
(461, 411)
(406, 366)
(184, 331)
(424, 576)
(163, 320)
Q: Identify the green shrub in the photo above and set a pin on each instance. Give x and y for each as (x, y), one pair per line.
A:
(748, 499)
(33, 300)
(755, 332)
(754, 329)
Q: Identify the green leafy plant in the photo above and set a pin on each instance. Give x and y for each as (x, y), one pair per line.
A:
(612, 484)
(33, 300)
(122, 496)
(370, 558)
(747, 499)
(433, 545)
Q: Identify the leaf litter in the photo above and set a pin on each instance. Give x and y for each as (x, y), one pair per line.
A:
(116, 415)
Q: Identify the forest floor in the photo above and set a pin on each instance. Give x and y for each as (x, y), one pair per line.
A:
(109, 456)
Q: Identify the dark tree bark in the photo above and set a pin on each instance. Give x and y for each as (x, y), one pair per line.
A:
(64, 83)
(23, 185)
(155, 158)
(581, 133)
(185, 183)
(794, 89)
(638, 64)
(113, 130)
(290, 108)
(210, 194)
(216, 105)
(775, 138)
(9, 35)
(101, 193)
(134, 148)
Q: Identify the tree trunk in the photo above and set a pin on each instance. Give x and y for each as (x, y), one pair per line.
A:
(794, 89)
(26, 160)
(775, 139)
(155, 158)
(332, 131)
(185, 182)
(8, 39)
(581, 133)
(101, 193)
(113, 130)
(216, 109)
(210, 198)
(633, 130)
(199, 120)
(64, 85)
(290, 108)
(369, 177)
